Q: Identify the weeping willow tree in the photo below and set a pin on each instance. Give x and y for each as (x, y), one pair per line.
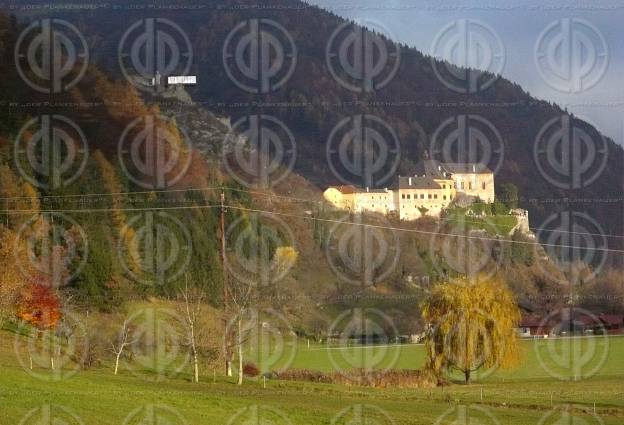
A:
(471, 325)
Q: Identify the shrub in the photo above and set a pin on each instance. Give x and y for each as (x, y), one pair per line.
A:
(498, 208)
(306, 375)
(365, 378)
(251, 370)
(404, 378)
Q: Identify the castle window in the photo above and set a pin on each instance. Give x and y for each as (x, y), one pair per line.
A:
(444, 197)
(435, 196)
(462, 185)
(429, 196)
(409, 196)
(483, 185)
(403, 196)
(422, 196)
(470, 185)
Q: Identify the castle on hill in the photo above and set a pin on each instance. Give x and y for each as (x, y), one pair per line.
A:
(427, 193)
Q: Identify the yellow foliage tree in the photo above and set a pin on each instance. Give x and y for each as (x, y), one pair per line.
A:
(471, 326)
(18, 196)
(12, 281)
(284, 259)
(114, 187)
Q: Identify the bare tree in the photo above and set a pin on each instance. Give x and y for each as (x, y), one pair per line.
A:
(123, 341)
(193, 299)
(241, 295)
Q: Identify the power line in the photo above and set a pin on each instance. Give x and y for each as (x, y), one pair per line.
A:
(161, 191)
(94, 210)
(231, 189)
(88, 195)
(537, 229)
(421, 231)
(326, 220)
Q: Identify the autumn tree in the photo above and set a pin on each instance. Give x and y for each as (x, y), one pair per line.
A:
(39, 306)
(471, 325)
(12, 280)
(126, 234)
(17, 195)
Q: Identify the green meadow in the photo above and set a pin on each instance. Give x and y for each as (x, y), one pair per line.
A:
(540, 391)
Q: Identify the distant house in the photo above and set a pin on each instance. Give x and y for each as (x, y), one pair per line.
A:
(581, 322)
(531, 326)
(612, 323)
(576, 322)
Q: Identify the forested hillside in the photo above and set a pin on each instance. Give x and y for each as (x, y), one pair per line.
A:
(101, 108)
(120, 263)
(415, 103)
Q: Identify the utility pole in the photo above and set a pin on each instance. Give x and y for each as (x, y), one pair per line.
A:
(226, 353)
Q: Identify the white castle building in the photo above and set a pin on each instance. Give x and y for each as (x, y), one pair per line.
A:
(427, 193)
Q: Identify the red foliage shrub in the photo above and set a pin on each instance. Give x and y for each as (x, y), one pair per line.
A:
(251, 370)
(39, 306)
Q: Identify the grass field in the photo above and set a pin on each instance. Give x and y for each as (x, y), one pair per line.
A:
(493, 224)
(537, 361)
(522, 396)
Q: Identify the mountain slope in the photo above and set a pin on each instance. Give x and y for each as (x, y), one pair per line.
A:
(316, 289)
(414, 104)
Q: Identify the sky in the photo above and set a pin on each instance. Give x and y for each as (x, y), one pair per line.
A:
(519, 25)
